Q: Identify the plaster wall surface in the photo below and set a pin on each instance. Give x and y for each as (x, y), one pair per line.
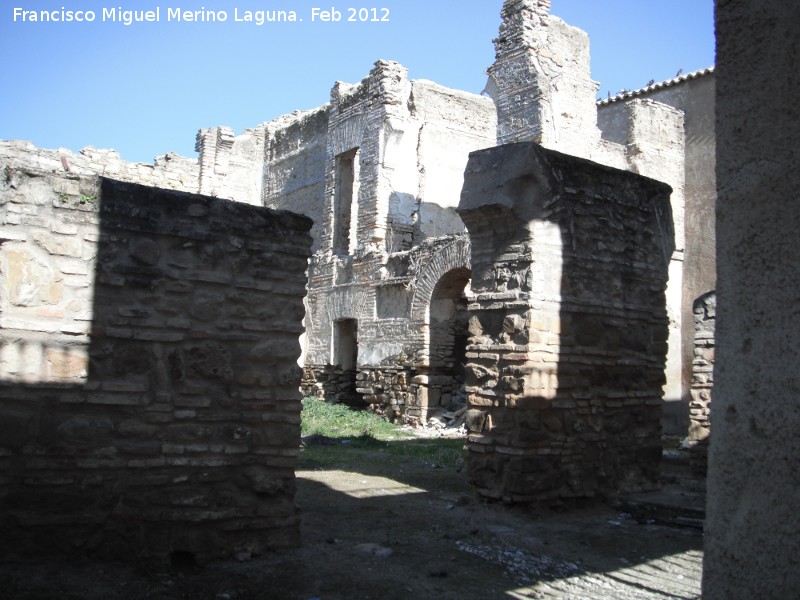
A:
(148, 377)
(751, 541)
(230, 165)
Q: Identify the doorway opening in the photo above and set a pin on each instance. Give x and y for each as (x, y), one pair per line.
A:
(447, 322)
(345, 362)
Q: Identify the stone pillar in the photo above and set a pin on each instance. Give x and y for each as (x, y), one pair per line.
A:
(540, 80)
(541, 84)
(568, 324)
(751, 535)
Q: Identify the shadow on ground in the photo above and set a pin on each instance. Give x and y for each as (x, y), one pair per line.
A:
(397, 520)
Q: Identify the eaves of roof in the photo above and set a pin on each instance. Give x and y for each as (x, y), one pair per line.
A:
(628, 94)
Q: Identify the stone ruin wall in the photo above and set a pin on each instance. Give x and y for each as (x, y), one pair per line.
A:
(541, 84)
(148, 376)
(536, 50)
(412, 140)
(693, 94)
(568, 330)
(293, 176)
(705, 324)
(391, 374)
(228, 166)
(170, 171)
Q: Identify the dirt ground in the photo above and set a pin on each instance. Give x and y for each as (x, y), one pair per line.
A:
(387, 526)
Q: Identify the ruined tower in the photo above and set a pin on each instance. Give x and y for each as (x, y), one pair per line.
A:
(541, 85)
(540, 80)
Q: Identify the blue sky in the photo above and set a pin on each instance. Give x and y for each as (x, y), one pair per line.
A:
(145, 89)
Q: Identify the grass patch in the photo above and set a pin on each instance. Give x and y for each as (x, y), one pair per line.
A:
(337, 421)
(343, 436)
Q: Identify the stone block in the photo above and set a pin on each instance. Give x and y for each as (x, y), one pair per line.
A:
(29, 279)
(66, 364)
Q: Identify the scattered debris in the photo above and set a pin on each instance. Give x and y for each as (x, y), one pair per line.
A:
(523, 567)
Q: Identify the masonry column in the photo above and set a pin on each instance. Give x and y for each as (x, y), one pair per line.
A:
(568, 329)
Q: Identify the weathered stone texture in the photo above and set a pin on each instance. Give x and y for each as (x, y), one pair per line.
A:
(381, 251)
(541, 84)
(230, 165)
(390, 298)
(693, 94)
(170, 171)
(148, 393)
(568, 329)
(540, 80)
(294, 177)
(409, 140)
(705, 319)
(751, 532)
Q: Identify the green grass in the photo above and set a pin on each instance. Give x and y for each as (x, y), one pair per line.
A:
(347, 436)
(338, 421)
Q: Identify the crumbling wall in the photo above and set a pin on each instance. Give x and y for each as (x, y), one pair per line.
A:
(540, 80)
(451, 124)
(568, 333)
(148, 377)
(410, 141)
(381, 248)
(294, 173)
(170, 171)
(230, 165)
(705, 320)
(390, 302)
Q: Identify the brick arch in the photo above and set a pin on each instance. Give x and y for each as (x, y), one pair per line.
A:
(347, 304)
(446, 255)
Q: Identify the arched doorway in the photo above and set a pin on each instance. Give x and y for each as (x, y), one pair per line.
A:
(446, 320)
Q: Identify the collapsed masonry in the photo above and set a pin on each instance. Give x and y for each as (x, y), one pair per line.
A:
(388, 305)
(386, 319)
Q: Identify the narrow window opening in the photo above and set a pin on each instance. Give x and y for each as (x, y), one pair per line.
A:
(345, 207)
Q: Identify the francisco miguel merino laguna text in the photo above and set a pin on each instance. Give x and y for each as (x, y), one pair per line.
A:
(257, 17)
